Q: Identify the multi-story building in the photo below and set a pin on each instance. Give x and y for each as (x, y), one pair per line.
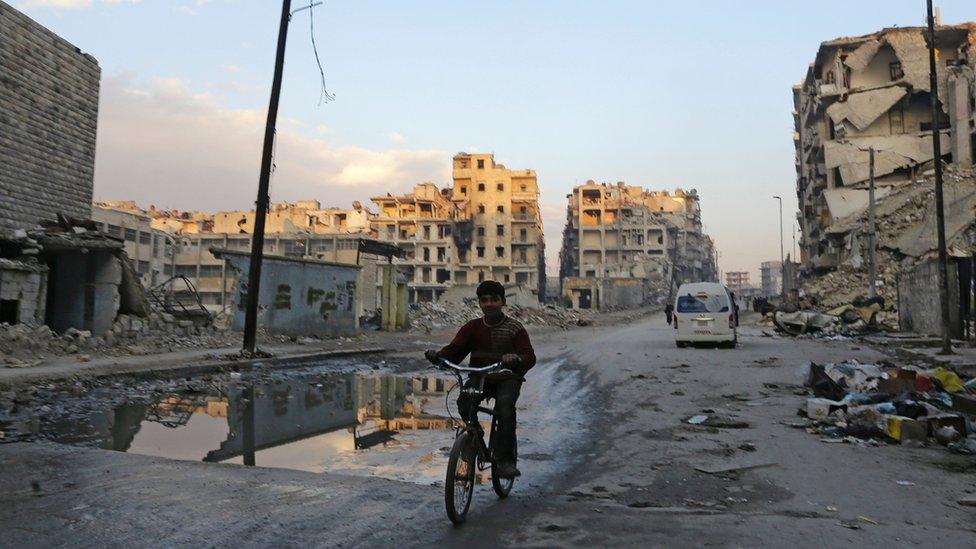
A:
(150, 250)
(737, 280)
(502, 206)
(867, 92)
(487, 226)
(771, 273)
(624, 246)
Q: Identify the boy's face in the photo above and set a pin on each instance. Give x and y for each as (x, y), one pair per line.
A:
(491, 305)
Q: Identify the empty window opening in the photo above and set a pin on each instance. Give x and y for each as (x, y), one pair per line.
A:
(481, 186)
(499, 251)
(500, 186)
(481, 251)
(9, 311)
(481, 165)
(500, 209)
(500, 230)
(895, 71)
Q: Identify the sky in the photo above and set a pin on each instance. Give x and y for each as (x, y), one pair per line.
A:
(693, 94)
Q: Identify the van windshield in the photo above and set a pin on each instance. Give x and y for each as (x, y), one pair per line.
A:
(703, 304)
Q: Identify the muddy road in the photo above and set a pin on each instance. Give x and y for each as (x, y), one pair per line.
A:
(353, 454)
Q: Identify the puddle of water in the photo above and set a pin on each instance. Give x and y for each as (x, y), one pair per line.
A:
(392, 426)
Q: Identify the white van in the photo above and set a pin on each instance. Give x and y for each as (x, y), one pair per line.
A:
(703, 313)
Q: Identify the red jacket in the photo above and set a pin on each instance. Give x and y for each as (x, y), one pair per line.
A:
(486, 344)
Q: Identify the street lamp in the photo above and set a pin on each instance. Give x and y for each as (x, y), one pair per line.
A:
(782, 264)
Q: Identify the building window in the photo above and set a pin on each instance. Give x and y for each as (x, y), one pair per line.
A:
(524, 235)
(426, 254)
(210, 271)
(130, 235)
(895, 71)
(896, 120)
(145, 238)
(155, 246)
(481, 231)
(523, 188)
(143, 267)
(186, 270)
(499, 251)
(481, 208)
(168, 269)
(481, 164)
(464, 189)
(500, 230)
(501, 209)
(507, 278)
(481, 251)
(114, 230)
(829, 77)
(481, 276)
(500, 186)
(426, 232)
(481, 186)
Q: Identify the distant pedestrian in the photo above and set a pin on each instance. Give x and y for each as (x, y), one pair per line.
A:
(669, 311)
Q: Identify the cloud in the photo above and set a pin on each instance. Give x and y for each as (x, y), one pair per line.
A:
(395, 137)
(162, 144)
(69, 4)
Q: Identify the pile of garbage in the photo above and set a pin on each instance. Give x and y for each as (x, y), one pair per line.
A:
(846, 321)
(427, 317)
(882, 402)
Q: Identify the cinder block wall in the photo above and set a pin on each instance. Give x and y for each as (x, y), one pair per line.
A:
(48, 121)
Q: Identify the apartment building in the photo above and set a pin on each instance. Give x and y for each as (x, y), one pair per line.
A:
(737, 281)
(150, 250)
(624, 246)
(502, 206)
(867, 92)
(486, 226)
(771, 273)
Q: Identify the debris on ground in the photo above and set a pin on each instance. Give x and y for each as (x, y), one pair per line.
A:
(427, 317)
(856, 402)
(847, 320)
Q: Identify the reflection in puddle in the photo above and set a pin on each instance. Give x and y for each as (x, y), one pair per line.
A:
(392, 426)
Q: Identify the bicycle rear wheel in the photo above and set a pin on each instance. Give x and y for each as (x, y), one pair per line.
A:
(502, 486)
(459, 484)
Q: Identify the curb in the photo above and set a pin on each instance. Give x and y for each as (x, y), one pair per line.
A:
(162, 371)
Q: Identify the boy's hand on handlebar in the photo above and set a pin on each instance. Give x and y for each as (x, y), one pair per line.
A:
(432, 355)
(510, 360)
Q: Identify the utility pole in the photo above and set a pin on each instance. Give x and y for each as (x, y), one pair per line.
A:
(872, 233)
(939, 202)
(782, 262)
(262, 203)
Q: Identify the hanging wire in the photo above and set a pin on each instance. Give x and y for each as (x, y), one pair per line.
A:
(324, 95)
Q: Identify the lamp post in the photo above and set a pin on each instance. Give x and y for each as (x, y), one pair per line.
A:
(782, 263)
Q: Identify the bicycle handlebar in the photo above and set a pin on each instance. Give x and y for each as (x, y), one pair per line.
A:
(493, 368)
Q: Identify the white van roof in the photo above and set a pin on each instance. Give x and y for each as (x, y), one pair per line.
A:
(711, 288)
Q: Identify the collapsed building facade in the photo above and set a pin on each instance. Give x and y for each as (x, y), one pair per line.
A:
(873, 92)
(486, 226)
(624, 246)
(869, 92)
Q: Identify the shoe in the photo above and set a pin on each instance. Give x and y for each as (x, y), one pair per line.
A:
(507, 469)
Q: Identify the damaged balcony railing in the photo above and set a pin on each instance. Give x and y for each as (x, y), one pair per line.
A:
(179, 297)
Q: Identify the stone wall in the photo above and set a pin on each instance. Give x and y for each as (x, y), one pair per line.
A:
(22, 292)
(919, 308)
(48, 116)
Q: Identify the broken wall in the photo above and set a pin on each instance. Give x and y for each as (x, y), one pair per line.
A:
(919, 307)
(299, 297)
(83, 291)
(22, 292)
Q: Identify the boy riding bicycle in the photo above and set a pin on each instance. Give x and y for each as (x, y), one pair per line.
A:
(494, 338)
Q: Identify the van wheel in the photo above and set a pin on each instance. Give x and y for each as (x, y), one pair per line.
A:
(680, 344)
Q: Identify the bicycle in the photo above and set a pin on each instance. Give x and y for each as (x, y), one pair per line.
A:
(470, 454)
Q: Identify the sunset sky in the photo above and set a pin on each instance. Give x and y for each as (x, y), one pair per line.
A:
(693, 94)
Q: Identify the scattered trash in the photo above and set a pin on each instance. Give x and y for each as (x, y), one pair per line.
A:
(849, 524)
(904, 483)
(831, 509)
(697, 420)
(868, 520)
(968, 501)
(731, 468)
(855, 402)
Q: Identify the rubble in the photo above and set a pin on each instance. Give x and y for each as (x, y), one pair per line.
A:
(854, 402)
(428, 317)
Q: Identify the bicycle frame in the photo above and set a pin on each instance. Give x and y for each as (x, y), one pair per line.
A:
(471, 423)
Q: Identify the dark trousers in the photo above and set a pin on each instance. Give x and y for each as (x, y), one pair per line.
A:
(506, 393)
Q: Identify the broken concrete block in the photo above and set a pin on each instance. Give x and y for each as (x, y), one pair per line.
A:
(905, 429)
(946, 420)
(820, 408)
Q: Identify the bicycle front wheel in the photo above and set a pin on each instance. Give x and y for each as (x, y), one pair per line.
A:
(459, 484)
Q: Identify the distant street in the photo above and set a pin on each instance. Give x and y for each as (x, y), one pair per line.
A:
(631, 478)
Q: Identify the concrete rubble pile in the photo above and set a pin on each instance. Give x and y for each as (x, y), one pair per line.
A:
(428, 317)
(855, 402)
(906, 236)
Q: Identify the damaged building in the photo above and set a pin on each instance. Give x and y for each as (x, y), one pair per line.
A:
(869, 92)
(487, 226)
(624, 246)
(56, 268)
